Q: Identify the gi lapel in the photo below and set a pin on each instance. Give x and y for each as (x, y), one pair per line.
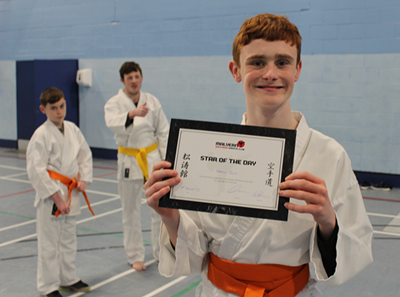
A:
(237, 230)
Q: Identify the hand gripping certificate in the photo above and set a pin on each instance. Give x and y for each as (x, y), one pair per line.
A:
(229, 169)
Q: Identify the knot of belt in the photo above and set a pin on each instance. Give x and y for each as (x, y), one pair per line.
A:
(140, 155)
(70, 184)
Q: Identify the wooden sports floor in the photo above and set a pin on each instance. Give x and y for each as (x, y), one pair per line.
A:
(101, 260)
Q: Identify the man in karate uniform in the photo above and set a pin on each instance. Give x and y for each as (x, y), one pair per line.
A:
(141, 132)
(327, 222)
(57, 151)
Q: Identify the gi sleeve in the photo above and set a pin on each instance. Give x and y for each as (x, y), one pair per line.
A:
(161, 132)
(115, 119)
(37, 158)
(354, 238)
(190, 249)
(84, 159)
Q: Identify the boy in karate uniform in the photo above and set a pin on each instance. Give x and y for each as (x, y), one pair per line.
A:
(57, 156)
(327, 225)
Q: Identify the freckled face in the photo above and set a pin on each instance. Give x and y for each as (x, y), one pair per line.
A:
(55, 112)
(268, 70)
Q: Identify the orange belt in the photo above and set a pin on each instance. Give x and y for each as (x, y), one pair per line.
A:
(70, 184)
(140, 155)
(257, 280)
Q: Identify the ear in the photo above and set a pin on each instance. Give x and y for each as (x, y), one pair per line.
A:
(234, 69)
(42, 109)
(298, 70)
(122, 81)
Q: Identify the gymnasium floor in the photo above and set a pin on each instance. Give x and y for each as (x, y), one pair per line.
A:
(101, 259)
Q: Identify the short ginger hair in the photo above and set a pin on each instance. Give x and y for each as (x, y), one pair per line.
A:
(268, 27)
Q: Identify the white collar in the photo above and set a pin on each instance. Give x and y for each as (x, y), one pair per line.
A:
(303, 134)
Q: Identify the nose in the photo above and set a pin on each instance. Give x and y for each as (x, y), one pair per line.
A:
(270, 73)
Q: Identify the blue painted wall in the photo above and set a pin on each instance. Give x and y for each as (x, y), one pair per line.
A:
(348, 88)
(49, 29)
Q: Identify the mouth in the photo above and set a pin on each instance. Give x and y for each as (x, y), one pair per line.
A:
(270, 88)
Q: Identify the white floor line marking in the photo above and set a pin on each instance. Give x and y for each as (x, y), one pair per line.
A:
(18, 225)
(116, 197)
(166, 286)
(87, 191)
(17, 240)
(99, 216)
(16, 180)
(387, 233)
(105, 180)
(14, 175)
(391, 227)
(12, 167)
(82, 207)
(28, 182)
(381, 215)
(101, 193)
(78, 222)
(111, 279)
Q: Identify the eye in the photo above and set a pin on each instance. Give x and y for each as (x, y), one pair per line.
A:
(282, 63)
(257, 63)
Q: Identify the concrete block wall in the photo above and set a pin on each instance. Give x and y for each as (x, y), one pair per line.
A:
(348, 88)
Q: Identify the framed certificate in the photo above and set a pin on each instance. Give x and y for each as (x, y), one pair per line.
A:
(229, 169)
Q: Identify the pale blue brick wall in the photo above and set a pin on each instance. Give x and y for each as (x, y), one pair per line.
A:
(83, 29)
(198, 88)
(359, 107)
(348, 88)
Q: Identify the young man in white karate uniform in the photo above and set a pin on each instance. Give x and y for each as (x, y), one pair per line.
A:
(57, 151)
(141, 132)
(327, 225)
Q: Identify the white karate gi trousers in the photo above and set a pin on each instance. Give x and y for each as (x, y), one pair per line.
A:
(56, 249)
(131, 193)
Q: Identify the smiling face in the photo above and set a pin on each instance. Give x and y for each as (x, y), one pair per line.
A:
(268, 70)
(55, 112)
(132, 82)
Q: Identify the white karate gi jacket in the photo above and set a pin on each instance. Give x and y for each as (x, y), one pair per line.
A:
(68, 155)
(292, 243)
(141, 134)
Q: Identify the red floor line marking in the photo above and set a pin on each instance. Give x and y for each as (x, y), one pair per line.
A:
(382, 199)
(105, 174)
(8, 195)
(13, 157)
(101, 167)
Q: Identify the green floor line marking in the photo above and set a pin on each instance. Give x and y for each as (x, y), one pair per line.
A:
(187, 289)
(99, 232)
(16, 215)
(116, 235)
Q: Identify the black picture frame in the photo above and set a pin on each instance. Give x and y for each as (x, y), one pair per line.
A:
(287, 167)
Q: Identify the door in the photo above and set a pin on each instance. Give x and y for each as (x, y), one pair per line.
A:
(32, 78)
